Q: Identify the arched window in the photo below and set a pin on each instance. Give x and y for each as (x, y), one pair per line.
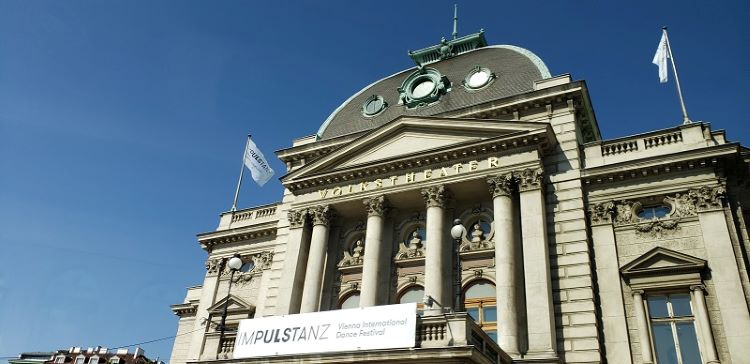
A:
(481, 304)
(350, 301)
(413, 294)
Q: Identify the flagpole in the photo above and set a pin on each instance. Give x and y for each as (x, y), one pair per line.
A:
(685, 119)
(242, 172)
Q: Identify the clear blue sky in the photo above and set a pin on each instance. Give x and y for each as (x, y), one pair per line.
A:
(122, 124)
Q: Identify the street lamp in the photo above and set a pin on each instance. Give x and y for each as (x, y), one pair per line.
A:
(457, 232)
(234, 264)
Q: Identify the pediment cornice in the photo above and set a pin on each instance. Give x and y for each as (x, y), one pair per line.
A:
(662, 261)
(489, 137)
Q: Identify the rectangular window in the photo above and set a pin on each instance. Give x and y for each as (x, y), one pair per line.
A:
(673, 329)
(80, 359)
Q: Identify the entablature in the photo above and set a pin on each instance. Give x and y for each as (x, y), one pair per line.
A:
(210, 240)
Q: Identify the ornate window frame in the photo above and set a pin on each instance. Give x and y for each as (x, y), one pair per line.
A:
(662, 271)
(440, 82)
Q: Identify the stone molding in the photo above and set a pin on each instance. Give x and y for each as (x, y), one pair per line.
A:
(501, 185)
(529, 179)
(376, 206)
(602, 213)
(436, 196)
(321, 215)
(296, 218)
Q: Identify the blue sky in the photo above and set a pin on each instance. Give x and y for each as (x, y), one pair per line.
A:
(122, 124)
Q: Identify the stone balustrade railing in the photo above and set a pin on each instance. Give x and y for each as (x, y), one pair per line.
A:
(646, 145)
(457, 329)
(246, 217)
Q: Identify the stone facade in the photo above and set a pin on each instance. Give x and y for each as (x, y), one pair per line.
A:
(575, 234)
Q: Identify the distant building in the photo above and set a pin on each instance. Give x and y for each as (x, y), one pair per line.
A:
(575, 249)
(78, 355)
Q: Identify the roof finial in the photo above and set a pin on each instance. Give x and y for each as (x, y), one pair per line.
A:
(455, 21)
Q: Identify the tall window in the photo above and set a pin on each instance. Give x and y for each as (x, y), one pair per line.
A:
(80, 359)
(350, 301)
(94, 360)
(413, 294)
(480, 303)
(673, 329)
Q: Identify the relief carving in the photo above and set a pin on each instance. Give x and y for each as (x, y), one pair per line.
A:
(354, 255)
(657, 227)
(529, 179)
(258, 262)
(213, 266)
(436, 196)
(681, 205)
(625, 212)
(477, 240)
(602, 213)
(708, 198)
(501, 185)
(412, 249)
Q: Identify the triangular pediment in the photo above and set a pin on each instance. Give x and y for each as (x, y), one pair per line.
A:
(407, 137)
(662, 261)
(235, 304)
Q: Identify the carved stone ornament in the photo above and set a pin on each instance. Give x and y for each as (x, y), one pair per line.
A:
(296, 218)
(321, 215)
(213, 266)
(708, 198)
(681, 205)
(529, 179)
(601, 213)
(377, 206)
(354, 255)
(657, 227)
(625, 213)
(501, 185)
(414, 249)
(436, 196)
(260, 262)
(477, 240)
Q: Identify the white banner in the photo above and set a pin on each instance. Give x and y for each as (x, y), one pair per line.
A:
(257, 164)
(379, 327)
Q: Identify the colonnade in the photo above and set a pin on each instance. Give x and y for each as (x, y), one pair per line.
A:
(533, 274)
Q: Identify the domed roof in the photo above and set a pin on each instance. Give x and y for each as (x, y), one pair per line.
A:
(512, 70)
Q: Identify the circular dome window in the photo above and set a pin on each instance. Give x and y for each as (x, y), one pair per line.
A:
(373, 105)
(478, 77)
(423, 88)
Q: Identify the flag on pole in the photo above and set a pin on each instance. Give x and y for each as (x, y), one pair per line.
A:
(257, 164)
(660, 58)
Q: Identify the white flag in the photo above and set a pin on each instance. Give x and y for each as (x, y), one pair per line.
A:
(257, 164)
(660, 58)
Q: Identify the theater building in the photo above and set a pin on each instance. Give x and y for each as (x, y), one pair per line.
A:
(573, 249)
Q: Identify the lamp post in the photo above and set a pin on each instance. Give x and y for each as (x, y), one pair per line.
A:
(234, 264)
(457, 232)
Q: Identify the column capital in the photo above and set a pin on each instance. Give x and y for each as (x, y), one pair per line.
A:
(602, 213)
(296, 218)
(708, 198)
(436, 196)
(639, 292)
(321, 215)
(698, 287)
(529, 179)
(376, 206)
(502, 184)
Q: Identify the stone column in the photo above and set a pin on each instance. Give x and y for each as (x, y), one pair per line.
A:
(537, 275)
(437, 262)
(647, 357)
(375, 267)
(725, 273)
(501, 188)
(701, 318)
(321, 216)
(615, 326)
(295, 262)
